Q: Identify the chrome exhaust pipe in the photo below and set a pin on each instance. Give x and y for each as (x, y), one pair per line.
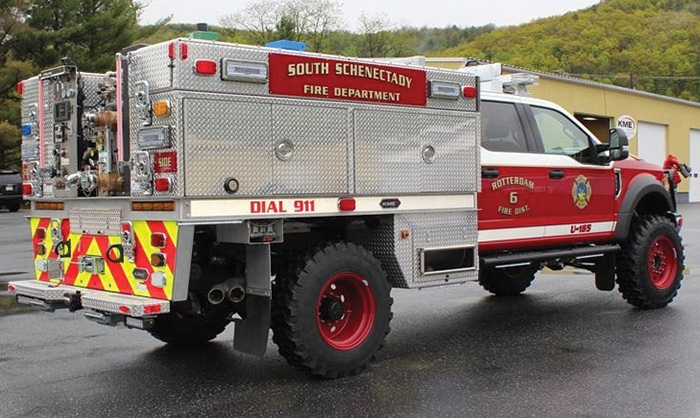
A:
(236, 293)
(231, 289)
(217, 294)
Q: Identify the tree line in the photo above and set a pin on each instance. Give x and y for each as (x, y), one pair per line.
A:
(652, 45)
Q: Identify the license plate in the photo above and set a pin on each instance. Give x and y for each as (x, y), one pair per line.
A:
(9, 188)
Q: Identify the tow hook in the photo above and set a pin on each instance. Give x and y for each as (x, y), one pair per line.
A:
(74, 301)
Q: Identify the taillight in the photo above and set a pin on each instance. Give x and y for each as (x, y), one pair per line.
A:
(151, 309)
(20, 88)
(40, 249)
(205, 67)
(27, 189)
(470, 92)
(347, 205)
(162, 185)
(158, 240)
(171, 50)
(40, 234)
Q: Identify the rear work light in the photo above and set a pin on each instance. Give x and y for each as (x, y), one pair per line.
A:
(205, 67)
(252, 72)
(445, 90)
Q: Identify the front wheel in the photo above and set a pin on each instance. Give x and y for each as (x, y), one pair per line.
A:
(650, 268)
(332, 311)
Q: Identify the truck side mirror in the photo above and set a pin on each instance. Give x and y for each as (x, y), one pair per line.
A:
(619, 145)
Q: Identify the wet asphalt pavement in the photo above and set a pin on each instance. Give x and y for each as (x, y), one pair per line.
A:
(563, 349)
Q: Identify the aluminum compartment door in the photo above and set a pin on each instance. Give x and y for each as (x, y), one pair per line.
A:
(454, 141)
(317, 139)
(387, 152)
(227, 139)
(652, 143)
(694, 180)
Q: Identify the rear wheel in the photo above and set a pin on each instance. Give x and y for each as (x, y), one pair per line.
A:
(650, 268)
(13, 207)
(332, 311)
(509, 281)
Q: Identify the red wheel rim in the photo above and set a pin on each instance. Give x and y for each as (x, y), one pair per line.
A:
(662, 263)
(345, 311)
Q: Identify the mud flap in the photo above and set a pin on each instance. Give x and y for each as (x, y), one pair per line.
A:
(251, 334)
(605, 273)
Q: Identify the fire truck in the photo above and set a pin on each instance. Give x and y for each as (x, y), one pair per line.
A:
(204, 183)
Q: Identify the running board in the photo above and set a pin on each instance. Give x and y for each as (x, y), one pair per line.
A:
(547, 255)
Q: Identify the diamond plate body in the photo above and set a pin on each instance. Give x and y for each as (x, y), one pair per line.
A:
(151, 64)
(95, 221)
(228, 129)
(400, 257)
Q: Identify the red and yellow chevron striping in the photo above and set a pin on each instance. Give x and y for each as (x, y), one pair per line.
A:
(119, 277)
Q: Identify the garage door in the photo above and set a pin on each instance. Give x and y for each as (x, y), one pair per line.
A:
(652, 142)
(695, 164)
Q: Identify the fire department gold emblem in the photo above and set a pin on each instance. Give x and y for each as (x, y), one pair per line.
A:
(581, 192)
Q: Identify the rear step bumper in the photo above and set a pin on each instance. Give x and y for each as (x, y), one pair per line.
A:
(49, 297)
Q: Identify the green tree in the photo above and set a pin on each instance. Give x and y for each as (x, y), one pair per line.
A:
(88, 31)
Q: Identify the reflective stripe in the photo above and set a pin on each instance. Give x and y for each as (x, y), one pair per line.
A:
(118, 277)
(549, 231)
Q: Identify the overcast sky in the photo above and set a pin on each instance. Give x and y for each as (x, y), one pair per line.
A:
(433, 13)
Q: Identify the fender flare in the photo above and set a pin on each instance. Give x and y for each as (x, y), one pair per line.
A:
(641, 187)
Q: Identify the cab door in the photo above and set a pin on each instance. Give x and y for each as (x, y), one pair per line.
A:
(580, 187)
(513, 180)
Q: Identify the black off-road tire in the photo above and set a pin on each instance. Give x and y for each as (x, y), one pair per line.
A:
(13, 207)
(299, 297)
(179, 328)
(510, 281)
(643, 251)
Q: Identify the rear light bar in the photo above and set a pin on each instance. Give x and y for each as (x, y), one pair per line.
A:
(205, 67)
(49, 206)
(153, 206)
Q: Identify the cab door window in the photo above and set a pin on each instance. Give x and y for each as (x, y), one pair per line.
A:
(501, 128)
(560, 135)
